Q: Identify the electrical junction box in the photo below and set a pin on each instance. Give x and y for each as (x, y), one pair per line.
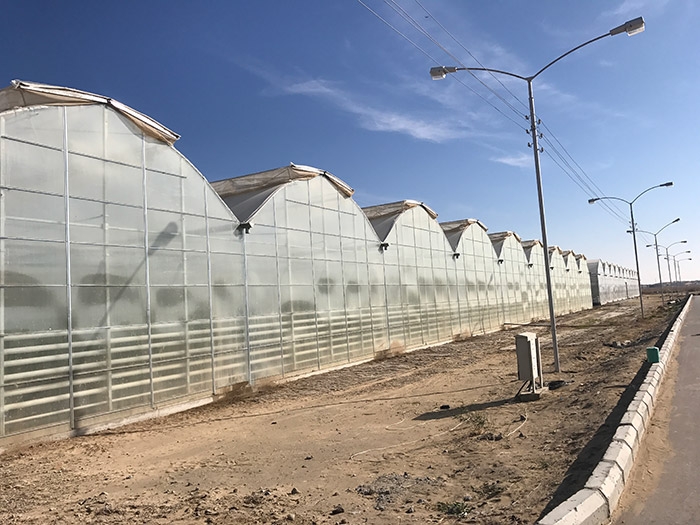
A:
(527, 349)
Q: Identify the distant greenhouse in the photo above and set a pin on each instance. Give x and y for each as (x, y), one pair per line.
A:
(130, 284)
(610, 282)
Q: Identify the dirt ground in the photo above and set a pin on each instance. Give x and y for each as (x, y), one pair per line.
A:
(432, 436)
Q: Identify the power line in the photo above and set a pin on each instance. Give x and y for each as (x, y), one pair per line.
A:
(613, 213)
(435, 61)
(495, 77)
(580, 181)
(592, 182)
(412, 21)
(397, 31)
(574, 172)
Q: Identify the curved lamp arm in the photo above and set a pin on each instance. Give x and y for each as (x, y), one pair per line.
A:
(631, 27)
(591, 201)
(664, 185)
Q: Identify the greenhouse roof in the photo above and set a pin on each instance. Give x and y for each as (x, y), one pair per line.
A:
(21, 94)
(263, 180)
(383, 216)
(461, 225)
(502, 236)
(529, 245)
(454, 229)
(245, 195)
(498, 239)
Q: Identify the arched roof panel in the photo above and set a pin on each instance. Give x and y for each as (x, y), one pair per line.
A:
(245, 195)
(22, 94)
(384, 216)
(454, 230)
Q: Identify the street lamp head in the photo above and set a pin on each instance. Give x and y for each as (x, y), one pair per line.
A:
(631, 27)
(675, 221)
(683, 242)
(440, 72)
(665, 184)
(591, 201)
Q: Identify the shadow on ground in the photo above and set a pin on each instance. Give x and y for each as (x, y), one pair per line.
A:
(458, 411)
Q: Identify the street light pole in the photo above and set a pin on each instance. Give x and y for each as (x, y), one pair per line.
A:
(631, 27)
(634, 234)
(543, 225)
(673, 256)
(656, 249)
(636, 258)
(678, 262)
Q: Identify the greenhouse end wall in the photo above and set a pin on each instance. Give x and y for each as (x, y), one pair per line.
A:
(610, 282)
(129, 285)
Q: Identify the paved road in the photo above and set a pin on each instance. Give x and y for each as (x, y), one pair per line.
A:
(676, 498)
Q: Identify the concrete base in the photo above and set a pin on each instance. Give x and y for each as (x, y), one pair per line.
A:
(530, 396)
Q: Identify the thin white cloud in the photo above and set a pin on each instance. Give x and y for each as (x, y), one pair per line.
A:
(635, 7)
(521, 160)
(369, 116)
(457, 116)
(626, 7)
(378, 119)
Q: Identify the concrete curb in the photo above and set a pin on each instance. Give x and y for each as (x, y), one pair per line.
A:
(596, 502)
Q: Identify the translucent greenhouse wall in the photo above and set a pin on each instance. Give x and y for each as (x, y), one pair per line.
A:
(560, 281)
(128, 285)
(476, 275)
(610, 283)
(583, 283)
(512, 279)
(122, 279)
(417, 282)
(537, 281)
(316, 294)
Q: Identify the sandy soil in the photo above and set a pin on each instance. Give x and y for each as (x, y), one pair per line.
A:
(432, 436)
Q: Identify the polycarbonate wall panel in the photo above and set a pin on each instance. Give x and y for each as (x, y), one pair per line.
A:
(583, 284)
(512, 279)
(479, 269)
(559, 283)
(571, 302)
(308, 283)
(106, 289)
(34, 387)
(420, 271)
(537, 284)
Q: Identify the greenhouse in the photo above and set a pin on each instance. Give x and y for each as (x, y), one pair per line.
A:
(131, 286)
(610, 282)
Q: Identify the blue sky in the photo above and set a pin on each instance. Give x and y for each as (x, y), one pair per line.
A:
(255, 85)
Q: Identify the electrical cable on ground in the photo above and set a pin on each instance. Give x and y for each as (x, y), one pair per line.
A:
(353, 456)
